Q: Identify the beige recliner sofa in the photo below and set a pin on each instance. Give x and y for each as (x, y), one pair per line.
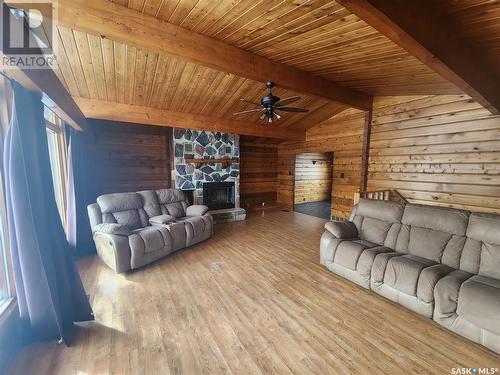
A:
(131, 230)
(442, 263)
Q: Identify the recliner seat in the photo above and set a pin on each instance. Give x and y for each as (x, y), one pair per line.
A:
(131, 230)
(440, 262)
(372, 229)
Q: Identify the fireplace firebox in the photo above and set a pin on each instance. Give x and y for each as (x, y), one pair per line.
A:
(218, 195)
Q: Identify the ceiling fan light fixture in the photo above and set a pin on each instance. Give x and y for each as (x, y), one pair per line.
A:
(270, 103)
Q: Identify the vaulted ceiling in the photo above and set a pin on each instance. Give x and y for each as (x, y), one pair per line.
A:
(320, 37)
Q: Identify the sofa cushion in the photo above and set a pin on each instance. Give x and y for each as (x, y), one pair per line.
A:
(484, 227)
(380, 265)
(342, 229)
(170, 196)
(175, 209)
(196, 210)
(348, 252)
(366, 259)
(490, 260)
(162, 220)
(150, 239)
(482, 252)
(428, 280)
(122, 208)
(129, 218)
(428, 243)
(479, 302)
(447, 220)
(151, 204)
(196, 222)
(111, 228)
(402, 273)
(382, 210)
(374, 230)
(116, 202)
(435, 233)
(375, 219)
(446, 294)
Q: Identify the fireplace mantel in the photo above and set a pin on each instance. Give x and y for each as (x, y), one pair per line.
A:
(211, 161)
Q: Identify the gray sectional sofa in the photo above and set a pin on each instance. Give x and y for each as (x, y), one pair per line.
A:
(442, 263)
(131, 230)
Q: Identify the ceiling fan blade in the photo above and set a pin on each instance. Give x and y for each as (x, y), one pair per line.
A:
(286, 101)
(249, 101)
(292, 109)
(249, 111)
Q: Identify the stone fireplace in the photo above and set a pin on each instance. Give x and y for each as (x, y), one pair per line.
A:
(204, 160)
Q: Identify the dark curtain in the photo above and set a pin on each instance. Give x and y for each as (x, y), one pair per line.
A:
(78, 230)
(50, 293)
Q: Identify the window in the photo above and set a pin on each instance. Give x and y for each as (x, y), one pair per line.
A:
(58, 159)
(7, 291)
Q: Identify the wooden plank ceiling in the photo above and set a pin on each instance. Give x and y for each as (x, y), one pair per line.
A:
(98, 68)
(478, 22)
(317, 36)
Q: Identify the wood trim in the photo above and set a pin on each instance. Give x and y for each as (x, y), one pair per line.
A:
(112, 21)
(365, 156)
(433, 42)
(212, 161)
(103, 110)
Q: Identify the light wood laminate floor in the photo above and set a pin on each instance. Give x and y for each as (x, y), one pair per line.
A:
(254, 299)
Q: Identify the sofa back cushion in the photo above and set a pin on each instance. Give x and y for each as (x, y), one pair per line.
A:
(434, 233)
(123, 208)
(172, 202)
(481, 254)
(378, 221)
(151, 204)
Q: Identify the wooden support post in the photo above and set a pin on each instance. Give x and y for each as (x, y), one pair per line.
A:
(365, 151)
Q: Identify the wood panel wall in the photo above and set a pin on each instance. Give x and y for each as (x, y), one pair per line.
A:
(342, 135)
(313, 177)
(124, 157)
(437, 150)
(258, 173)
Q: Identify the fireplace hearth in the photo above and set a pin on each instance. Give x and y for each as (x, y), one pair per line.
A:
(218, 195)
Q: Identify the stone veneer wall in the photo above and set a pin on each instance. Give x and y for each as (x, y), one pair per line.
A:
(202, 144)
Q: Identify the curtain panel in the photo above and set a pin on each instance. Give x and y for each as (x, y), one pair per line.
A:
(50, 293)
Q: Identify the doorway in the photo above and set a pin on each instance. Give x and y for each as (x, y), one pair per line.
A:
(313, 184)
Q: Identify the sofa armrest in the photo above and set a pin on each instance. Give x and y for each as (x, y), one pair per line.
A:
(162, 220)
(342, 229)
(114, 250)
(196, 210)
(111, 228)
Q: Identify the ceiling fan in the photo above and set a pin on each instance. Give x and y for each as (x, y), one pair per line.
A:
(270, 105)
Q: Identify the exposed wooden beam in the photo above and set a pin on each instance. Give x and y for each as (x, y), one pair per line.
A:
(130, 27)
(365, 156)
(104, 110)
(317, 116)
(417, 27)
(45, 81)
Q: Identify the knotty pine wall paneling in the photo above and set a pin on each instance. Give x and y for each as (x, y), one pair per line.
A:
(313, 177)
(438, 150)
(342, 135)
